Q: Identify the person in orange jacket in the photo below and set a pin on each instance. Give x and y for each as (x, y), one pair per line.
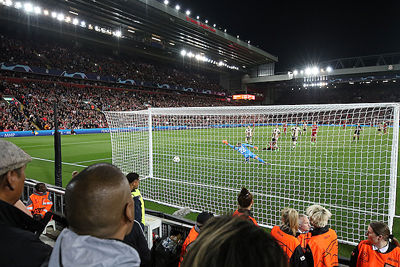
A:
(285, 235)
(322, 247)
(245, 202)
(380, 249)
(202, 218)
(40, 203)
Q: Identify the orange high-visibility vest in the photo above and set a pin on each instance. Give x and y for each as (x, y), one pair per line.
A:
(41, 204)
(369, 257)
(246, 216)
(193, 234)
(287, 242)
(324, 249)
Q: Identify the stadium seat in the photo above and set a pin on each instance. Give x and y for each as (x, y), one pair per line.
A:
(51, 223)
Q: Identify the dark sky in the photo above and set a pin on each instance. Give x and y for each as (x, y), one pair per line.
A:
(300, 32)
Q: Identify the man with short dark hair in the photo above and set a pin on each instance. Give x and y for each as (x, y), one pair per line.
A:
(133, 180)
(18, 244)
(100, 212)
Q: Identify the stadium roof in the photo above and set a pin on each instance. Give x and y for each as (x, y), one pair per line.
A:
(157, 22)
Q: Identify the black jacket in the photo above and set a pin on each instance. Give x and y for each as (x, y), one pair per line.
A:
(18, 244)
(137, 240)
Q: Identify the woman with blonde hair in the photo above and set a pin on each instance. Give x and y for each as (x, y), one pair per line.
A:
(285, 235)
(322, 247)
(380, 249)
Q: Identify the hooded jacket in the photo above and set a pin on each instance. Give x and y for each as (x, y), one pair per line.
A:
(72, 249)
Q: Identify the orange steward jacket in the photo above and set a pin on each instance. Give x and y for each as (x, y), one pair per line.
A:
(364, 255)
(39, 203)
(322, 248)
(290, 246)
(245, 213)
(193, 234)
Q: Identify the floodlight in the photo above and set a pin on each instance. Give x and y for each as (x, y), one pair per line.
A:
(248, 41)
(215, 25)
(183, 52)
(83, 24)
(237, 36)
(224, 30)
(18, 5)
(198, 17)
(53, 14)
(166, 2)
(177, 7)
(8, 3)
(60, 16)
(329, 69)
(37, 10)
(315, 70)
(75, 21)
(198, 57)
(295, 72)
(28, 7)
(188, 12)
(206, 21)
(68, 19)
(118, 34)
(96, 28)
(46, 12)
(190, 55)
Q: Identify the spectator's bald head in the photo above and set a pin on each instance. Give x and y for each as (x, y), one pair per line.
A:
(99, 203)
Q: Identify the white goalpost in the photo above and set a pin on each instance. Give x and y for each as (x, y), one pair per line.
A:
(190, 158)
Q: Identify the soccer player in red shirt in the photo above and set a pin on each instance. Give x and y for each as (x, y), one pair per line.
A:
(314, 131)
(285, 128)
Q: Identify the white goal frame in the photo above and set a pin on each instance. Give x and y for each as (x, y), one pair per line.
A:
(135, 138)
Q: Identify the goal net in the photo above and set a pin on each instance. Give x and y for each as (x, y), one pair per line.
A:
(348, 168)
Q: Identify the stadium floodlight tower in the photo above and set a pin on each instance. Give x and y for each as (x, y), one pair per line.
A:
(355, 180)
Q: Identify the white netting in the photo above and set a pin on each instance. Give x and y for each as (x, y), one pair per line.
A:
(355, 178)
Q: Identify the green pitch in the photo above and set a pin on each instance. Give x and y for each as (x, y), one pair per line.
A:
(207, 154)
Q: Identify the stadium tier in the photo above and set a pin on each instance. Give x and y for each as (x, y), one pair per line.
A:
(288, 156)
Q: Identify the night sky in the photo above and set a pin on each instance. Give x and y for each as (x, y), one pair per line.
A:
(300, 32)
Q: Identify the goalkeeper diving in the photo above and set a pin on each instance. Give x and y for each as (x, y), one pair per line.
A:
(246, 153)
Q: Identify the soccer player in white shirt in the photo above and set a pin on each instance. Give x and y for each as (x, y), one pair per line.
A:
(249, 135)
(295, 134)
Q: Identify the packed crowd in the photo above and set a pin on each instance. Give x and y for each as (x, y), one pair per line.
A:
(113, 236)
(80, 106)
(50, 54)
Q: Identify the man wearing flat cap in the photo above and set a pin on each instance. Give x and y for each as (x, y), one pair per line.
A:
(18, 244)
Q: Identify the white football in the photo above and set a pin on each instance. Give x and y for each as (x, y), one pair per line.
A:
(177, 159)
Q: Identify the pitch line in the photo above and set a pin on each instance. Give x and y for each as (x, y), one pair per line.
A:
(90, 160)
(65, 163)
(63, 144)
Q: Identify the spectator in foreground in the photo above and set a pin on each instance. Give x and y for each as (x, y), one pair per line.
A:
(245, 202)
(285, 235)
(137, 240)
(202, 218)
(228, 241)
(100, 213)
(322, 247)
(133, 179)
(380, 249)
(303, 234)
(18, 244)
